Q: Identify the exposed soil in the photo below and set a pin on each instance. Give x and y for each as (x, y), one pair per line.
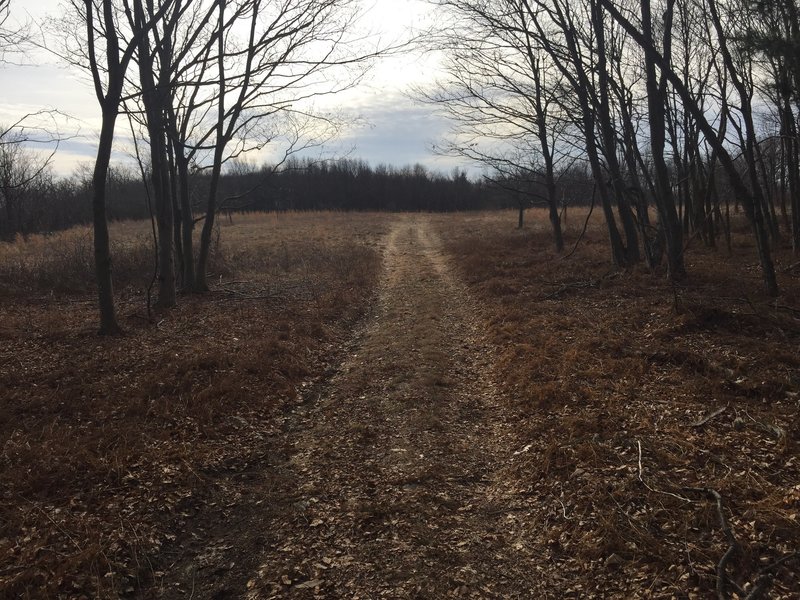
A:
(394, 459)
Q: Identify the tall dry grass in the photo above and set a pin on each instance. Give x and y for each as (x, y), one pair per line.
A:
(63, 262)
(256, 245)
(106, 444)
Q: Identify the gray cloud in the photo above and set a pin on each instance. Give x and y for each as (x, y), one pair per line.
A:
(394, 129)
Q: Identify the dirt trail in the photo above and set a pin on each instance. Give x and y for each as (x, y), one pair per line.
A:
(394, 464)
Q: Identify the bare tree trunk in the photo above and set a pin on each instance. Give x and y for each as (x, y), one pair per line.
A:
(789, 143)
(176, 211)
(540, 112)
(201, 284)
(552, 206)
(102, 248)
(155, 97)
(656, 103)
(652, 241)
(187, 219)
(608, 135)
(751, 205)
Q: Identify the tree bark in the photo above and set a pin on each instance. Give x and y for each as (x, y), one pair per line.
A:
(656, 104)
(102, 246)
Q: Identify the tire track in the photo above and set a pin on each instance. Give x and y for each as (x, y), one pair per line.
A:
(394, 465)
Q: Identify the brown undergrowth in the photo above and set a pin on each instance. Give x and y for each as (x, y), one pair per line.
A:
(110, 447)
(612, 376)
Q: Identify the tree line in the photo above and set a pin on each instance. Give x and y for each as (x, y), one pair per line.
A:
(684, 106)
(45, 204)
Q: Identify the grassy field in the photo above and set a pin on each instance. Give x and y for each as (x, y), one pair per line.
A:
(644, 412)
(613, 375)
(109, 446)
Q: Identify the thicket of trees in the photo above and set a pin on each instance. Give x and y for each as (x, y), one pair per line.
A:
(688, 106)
(202, 82)
(46, 204)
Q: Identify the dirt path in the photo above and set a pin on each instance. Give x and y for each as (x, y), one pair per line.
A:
(394, 465)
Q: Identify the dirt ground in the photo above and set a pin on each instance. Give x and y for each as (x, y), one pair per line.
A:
(487, 420)
(488, 435)
(395, 460)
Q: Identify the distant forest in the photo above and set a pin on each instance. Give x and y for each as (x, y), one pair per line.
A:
(48, 204)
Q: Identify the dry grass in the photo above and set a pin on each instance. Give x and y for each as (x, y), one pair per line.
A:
(119, 456)
(599, 362)
(63, 263)
(110, 448)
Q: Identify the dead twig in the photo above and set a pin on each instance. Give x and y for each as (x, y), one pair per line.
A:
(774, 430)
(707, 418)
(655, 491)
(60, 528)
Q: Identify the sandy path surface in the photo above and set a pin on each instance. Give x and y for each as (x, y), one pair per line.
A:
(394, 462)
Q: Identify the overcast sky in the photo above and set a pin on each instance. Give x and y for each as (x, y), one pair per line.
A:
(391, 128)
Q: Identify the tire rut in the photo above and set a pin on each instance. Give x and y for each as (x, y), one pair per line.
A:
(394, 465)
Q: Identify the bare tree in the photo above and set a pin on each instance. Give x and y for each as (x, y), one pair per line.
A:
(501, 91)
(571, 49)
(773, 32)
(215, 78)
(750, 199)
(154, 57)
(13, 36)
(105, 51)
(656, 104)
(288, 52)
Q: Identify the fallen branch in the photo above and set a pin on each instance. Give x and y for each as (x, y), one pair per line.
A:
(707, 418)
(765, 577)
(233, 281)
(733, 544)
(787, 308)
(790, 267)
